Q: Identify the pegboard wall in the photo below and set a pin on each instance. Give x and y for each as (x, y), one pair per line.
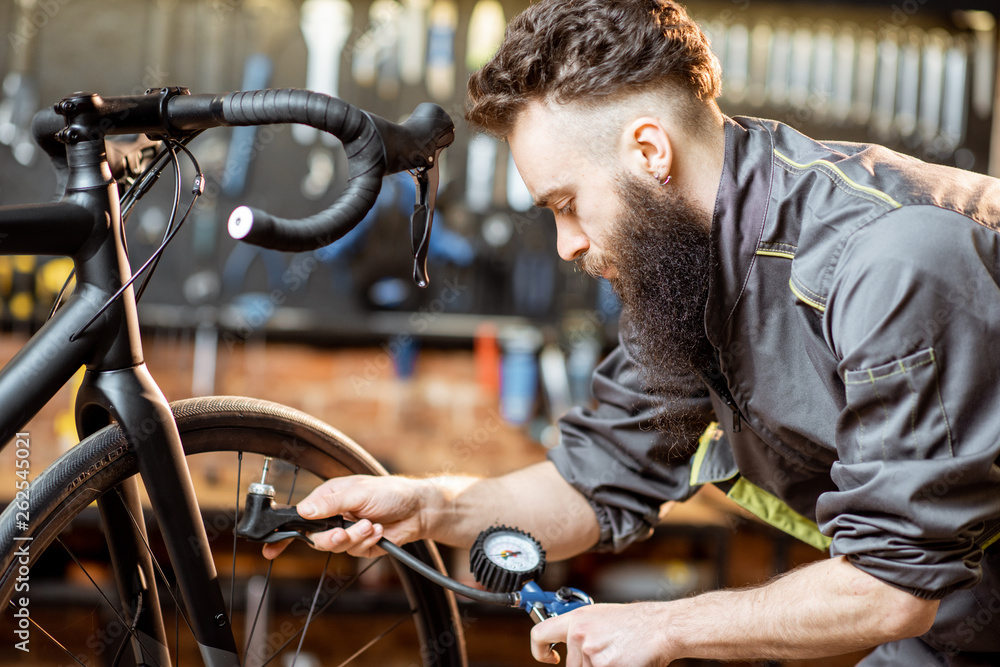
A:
(914, 75)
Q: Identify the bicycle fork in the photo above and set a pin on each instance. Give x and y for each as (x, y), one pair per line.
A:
(133, 399)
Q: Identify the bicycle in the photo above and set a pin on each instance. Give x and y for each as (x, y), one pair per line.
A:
(128, 431)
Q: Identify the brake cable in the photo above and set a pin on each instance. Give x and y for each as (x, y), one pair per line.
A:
(197, 190)
(137, 189)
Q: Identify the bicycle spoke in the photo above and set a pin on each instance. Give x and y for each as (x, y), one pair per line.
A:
(156, 563)
(121, 647)
(121, 619)
(51, 638)
(347, 584)
(312, 608)
(260, 605)
(378, 637)
(236, 520)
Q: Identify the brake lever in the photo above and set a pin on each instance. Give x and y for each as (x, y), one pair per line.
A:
(266, 521)
(426, 180)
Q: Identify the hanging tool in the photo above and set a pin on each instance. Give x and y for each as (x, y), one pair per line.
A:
(737, 61)
(326, 25)
(799, 68)
(486, 27)
(269, 23)
(843, 79)
(821, 84)
(778, 71)
(441, 50)
(864, 83)
(761, 38)
(908, 95)
(931, 87)
(480, 172)
(413, 41)
(887, 77)
(715, 32)
(19, 99)
(390, 14)
(555, 381)
(212, 37)
(519, 373)
(256, 75)
(955, 110)
(983, 25)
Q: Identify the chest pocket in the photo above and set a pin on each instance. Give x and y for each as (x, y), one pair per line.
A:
(895, 412)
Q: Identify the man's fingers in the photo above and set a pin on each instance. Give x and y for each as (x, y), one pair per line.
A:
(324, 500)
(356, 540)
(544, 635)
(365, 547)
(272, 551)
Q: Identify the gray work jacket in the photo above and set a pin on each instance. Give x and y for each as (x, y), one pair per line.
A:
(856, 312)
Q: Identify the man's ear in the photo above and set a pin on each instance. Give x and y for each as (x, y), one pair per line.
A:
(646, 148)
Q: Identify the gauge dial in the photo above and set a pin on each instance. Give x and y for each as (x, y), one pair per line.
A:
(503, 558)
(512, 551)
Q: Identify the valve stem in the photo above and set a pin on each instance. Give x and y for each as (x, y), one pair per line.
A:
(263, 488)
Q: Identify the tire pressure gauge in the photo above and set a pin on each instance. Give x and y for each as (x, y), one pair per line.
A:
(503, 559)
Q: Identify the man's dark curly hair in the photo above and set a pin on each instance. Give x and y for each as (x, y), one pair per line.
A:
(587, 50)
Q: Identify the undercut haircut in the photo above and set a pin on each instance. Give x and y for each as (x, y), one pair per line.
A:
(593, 53)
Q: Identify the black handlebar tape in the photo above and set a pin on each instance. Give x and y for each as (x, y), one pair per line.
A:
(366, 160)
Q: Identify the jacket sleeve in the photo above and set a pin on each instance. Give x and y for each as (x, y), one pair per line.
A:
(913, 316)
(618, 460)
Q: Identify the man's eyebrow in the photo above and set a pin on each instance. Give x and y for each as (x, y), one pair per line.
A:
(543, 198)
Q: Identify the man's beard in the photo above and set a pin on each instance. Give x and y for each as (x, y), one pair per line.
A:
(661, 247)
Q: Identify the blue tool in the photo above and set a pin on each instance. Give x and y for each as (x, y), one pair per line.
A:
(541, 605)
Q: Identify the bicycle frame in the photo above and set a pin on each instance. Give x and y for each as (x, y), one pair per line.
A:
(85, 225)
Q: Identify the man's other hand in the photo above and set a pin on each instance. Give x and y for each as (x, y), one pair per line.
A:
(604, 634)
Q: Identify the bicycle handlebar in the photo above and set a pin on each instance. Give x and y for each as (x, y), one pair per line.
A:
(375, 147)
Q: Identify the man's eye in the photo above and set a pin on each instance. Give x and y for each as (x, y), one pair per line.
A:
(565, 210)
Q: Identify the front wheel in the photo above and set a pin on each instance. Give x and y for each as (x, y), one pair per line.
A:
(356, 611)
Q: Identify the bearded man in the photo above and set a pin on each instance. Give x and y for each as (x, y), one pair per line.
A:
(833, 308)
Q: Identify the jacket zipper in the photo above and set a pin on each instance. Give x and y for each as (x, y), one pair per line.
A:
(713, 379)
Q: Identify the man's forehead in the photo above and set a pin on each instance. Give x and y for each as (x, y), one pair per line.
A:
(537, 122)
(547, 151)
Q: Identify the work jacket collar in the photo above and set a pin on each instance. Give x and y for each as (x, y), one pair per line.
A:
(738, 219)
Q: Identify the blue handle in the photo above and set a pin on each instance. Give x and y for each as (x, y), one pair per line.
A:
(553, 603)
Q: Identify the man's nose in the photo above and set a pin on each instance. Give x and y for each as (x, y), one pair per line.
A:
(571, 242)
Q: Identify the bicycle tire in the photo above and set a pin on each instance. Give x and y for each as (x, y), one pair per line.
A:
(226, 424)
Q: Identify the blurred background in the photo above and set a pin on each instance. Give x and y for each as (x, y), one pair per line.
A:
(469, 374)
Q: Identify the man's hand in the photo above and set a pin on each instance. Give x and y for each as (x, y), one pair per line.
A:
(604, 634)
(382, 506)
(826, 608)
(450, 509)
